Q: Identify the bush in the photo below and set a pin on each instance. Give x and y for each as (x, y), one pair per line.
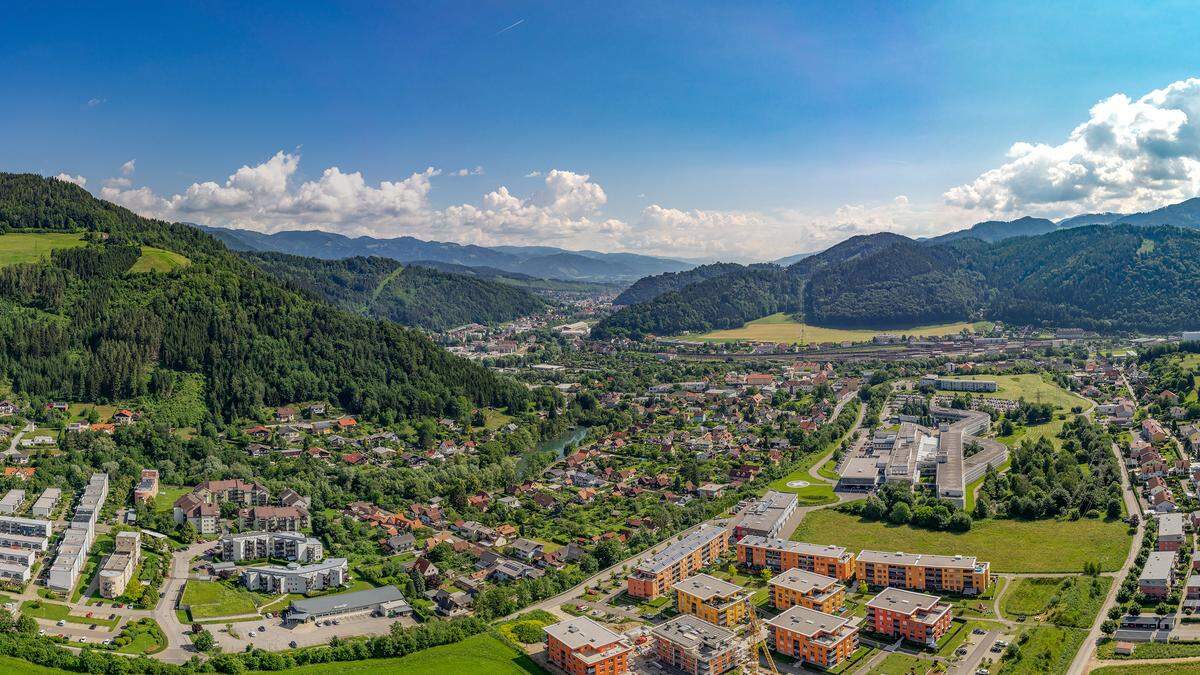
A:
(528, 632)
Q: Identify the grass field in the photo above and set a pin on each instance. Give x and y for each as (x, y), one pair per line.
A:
(1162, 669)
(158, 260)
(783, 328)
(1030, 387)
(168, 495)
(27, 248)
(478, 654)
(1072, 601)
(209, 599)
(9, 664)
(902, 664)
(1151, 650)
(54, 611)
(145, 638)
(1049, 649)
(1009, 545)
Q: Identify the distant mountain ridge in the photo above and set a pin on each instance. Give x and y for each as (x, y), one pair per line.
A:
(997, 230)
(536, 261)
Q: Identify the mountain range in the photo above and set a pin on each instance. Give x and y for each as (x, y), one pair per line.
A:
(535, 261)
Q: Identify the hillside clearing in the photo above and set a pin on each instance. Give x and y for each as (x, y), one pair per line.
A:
(783, 328)
(158, 260)
(18, 248)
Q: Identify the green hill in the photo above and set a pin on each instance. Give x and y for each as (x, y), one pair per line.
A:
(410, 295)
(1104, 277)
(79, 327)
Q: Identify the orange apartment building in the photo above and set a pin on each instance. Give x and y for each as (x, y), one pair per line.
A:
(917, 617)
(807, 589)
(655, 575)
(812, 637)
(780, 555)
(916, 572)
(715, 600)
(581, 646)
(696, 647)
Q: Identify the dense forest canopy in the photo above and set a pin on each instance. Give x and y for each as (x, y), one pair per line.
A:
(1118, 277)
(80, 327)
(410, 295)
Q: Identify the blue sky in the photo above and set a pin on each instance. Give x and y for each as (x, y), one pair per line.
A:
(809, 115)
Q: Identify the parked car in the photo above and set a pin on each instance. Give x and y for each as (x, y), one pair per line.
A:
(61, 622)
(251, 633)
(292, 644)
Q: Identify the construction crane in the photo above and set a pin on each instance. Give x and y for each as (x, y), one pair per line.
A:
(758, 641)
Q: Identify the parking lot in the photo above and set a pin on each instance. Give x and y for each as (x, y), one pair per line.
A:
(277, 636)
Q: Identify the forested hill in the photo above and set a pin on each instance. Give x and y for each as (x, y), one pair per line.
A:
(414, 296)
(648, 288)
(81, 327)
(1101, 276)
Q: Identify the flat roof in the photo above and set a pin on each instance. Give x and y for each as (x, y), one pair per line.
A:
(706, 587)
(803, 581)
(900, 600)
(767, 512)
(798, 547)
(580, 631)
(676, 551)
(1158, 566)
(918, 559)
(1170, 524)
(807, 622)
(347, 602)
(693, 633)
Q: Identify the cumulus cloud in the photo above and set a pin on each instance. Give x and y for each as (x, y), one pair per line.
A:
(1129, 155)
(533, 174)
(128, 167)
(477, 171)
(78, 180)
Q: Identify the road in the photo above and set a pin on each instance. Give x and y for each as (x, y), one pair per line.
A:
(1083, 658)
(971, 662)
(554, 604)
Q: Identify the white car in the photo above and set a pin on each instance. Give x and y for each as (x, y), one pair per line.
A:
(61, 622)
(83, 639)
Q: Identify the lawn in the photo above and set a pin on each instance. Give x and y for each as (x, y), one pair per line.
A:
(1049, 649)
(27, 248)
(1031, 387)
(477, 654)
(209, 599)
(1151, 650)
(901, 664)
(494, 419)
(1009, 545)
(783, 328)
(158, 260)
(145, 638)
(167, 496)
(1162, 669)
(53, 611)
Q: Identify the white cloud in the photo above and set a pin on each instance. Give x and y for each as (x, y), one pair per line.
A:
(128, 167)
(1130, 155)
(95, 102)
(533, 174)
(477, 171)
(78, 180)
(117, 182)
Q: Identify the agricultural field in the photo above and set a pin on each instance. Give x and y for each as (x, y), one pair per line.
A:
(209, 599)
(1009, 545)
(1031, 387)
(1046, 649)
(158, 260)
(34, 247)
(783, 328)
(1146, 669)
(478, 654)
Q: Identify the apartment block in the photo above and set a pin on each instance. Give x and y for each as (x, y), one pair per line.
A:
(1158, 575)
(916, 617)
(695, 646)
(283, 545)
(147, 487)
(1170, 532)
(12, 501)
(807, 589)
(296, 578)
(581, 646)
(765, 517)
(118, 567)
(29, 527)
(45, 505)
(655, 575)
(917, 572)
(812, 637)
(81, 532)
(711, 599)
(779, 555)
